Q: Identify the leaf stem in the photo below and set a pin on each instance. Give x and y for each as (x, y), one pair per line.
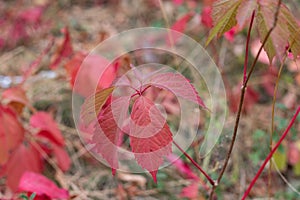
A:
(247, 47)
(271, 154)
(243, 91)
(212, 182)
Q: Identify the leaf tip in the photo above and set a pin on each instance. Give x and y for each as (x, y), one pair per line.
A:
(113, 171)
(153, 174)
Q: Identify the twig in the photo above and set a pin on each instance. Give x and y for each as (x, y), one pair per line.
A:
(271, 154)
(247, 47)
(243, 91)
(195, 164)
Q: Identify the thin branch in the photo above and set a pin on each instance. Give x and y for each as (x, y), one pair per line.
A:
(195, 164)
(247, 46)
(243, 91)
(271, 154)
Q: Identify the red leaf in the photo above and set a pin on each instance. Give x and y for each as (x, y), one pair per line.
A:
(94, 72)
(16, 94)
(180, 26)
(229, 35)
(177, 84)
(107, 133)
(11, 133)
(48, 127)
(206, 18)
(181, 23)
(293, 153)
(33, 67)
(62, 158)
(149, 147)
(24, 158)
(39, 184)
(64, 50)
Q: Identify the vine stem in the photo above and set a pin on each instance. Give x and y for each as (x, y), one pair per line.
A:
(242, 96)
(212, 182)
(247, 47)
(272, 122)
(271, 154)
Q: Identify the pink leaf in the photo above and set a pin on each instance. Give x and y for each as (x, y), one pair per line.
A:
(178, 85)
(229, 35)
(107, 134)
(48, 127)
(149, 147)
(63, 51)
(62, 158)
(39, 184)
(179, 26)
(206, 18)
(181, 23)
(94, 73)
(11, 133)
(24, 158)
(15, 94)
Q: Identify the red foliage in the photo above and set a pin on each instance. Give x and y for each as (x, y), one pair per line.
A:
(87, 75)
(11, 133)
(41, 186)
(63, 51)
(25, 158)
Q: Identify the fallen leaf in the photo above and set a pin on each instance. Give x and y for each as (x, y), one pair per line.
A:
(63, 51)
(47, 127)
(11, 133)
(40, 185)
(24, 158)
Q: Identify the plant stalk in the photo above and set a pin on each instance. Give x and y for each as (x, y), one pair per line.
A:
(271, 154)
(243, 90)
(212, 182)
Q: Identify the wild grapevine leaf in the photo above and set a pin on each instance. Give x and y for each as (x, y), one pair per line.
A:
(228, 13)
(39, 184)
(224, 17)
(149, 147)
(149, 133)
(93, 104)
(178, 85)
(107, 132)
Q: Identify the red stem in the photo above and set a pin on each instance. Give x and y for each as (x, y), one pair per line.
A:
(247, 47)
(212, 182)
(271, 154)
